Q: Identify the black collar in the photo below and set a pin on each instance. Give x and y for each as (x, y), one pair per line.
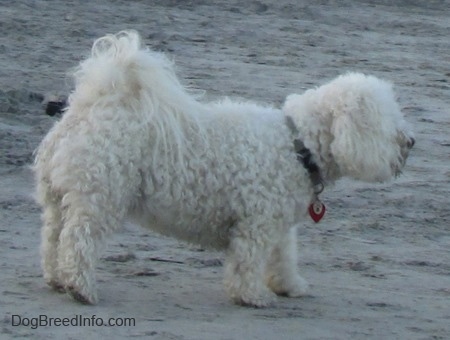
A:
(304, 156)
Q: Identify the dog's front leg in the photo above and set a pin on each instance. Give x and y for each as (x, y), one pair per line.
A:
(281, 274)
(249, 248)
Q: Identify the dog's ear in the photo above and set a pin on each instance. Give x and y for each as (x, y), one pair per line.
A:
(359, 148)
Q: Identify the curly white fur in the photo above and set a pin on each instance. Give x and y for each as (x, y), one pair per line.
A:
(135, 143)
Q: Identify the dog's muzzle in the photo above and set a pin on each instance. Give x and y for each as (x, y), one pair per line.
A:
(406, 143)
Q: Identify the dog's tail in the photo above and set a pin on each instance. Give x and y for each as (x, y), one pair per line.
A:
(123, 72)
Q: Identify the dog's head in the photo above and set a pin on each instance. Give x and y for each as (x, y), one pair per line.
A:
(353, 127)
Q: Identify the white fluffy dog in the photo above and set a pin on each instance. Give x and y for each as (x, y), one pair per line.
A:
(227, 175)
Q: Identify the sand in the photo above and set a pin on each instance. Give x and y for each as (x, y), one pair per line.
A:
(378, 263)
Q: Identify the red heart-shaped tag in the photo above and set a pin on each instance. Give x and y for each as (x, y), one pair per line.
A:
(316, 210)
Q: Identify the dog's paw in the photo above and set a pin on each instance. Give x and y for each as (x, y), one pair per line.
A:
(263, 298)
(57, 286)
(87, 298)
(299, 287)
(295, 287)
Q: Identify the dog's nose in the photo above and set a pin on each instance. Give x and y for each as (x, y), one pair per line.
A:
(411, 142)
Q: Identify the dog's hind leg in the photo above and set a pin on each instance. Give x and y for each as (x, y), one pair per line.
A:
(86, 221)
(281, 272)
(249, 247)
(51, 229)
